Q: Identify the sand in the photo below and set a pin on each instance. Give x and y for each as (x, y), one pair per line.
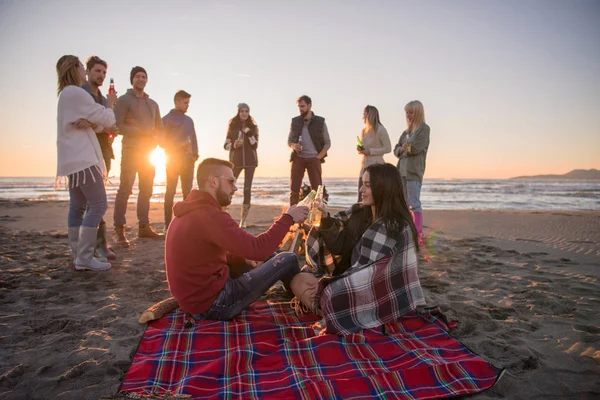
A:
(522, 285)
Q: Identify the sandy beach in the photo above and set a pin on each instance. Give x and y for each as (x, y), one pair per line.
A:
(524, 287)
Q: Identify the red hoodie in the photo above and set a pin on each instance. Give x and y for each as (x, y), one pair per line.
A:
(202, 240)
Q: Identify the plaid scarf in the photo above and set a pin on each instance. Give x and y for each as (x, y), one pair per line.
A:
(381, 285)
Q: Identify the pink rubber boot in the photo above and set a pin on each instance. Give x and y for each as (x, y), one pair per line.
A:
(418, 218)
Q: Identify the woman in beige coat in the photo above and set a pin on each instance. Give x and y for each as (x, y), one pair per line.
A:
(375, 142)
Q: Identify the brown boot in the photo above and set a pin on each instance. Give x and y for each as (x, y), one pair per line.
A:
(146, 231)
(121, 238)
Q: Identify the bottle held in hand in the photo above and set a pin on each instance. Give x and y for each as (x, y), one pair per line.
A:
(308, 200)
(300, 144)
(111, 88)
(359, 144)
(314, 218)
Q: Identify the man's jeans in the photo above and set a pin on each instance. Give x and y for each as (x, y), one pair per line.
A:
(90, 195)
(239, 293)
(412, 192)
(299, 165)
(248, 177)
(177, 166)
(135, 161)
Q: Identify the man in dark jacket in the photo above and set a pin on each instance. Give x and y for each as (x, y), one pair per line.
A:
(181, 147)
(206, 251)
(309, 141)
(96, 73)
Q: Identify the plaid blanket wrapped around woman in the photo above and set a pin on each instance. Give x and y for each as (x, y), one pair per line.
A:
(381, 285)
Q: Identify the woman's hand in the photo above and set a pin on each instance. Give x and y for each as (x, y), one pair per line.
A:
(321, 205)
(82, 123)
(365, 152)
(237, 144)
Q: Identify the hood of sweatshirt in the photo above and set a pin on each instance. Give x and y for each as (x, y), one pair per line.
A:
(131, 92)
(196, 200)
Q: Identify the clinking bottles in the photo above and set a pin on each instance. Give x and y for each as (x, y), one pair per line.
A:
(308, 200)
(111, 88)
(314, 218)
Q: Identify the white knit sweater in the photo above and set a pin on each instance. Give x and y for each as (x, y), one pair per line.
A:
(78, 149)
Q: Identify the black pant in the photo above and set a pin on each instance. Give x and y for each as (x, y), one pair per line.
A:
(299, 165)
(248, 177)
(177, 166)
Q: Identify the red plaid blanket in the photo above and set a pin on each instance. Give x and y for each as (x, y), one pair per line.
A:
(269, 352)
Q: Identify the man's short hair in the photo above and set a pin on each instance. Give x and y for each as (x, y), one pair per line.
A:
(181, 95)
(305, 99)
(93, 60)
(208, 167)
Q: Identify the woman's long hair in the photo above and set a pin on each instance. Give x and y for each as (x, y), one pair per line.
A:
(416, 107)
(389, 200)
(67, 71)
(235, 123)
(372, 120)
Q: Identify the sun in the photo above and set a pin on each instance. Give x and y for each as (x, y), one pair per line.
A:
(158, 158)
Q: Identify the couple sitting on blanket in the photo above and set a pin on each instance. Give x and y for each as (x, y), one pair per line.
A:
(362, 269)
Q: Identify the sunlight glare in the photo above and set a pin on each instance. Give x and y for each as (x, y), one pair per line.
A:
(158, 158)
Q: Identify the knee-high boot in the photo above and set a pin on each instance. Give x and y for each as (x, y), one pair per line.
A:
(102, 250)
(85, 251)
(244, 215)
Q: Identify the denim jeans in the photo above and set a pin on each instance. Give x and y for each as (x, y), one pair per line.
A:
(299, 165)
(412, 192)
(248, 177)
(135, 161)
(239, 293)
(89, 194)
(177, 166)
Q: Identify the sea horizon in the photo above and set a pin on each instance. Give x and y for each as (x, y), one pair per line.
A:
(437, 194)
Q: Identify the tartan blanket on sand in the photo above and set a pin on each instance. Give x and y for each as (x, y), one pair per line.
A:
(381, 285)
(269, 352)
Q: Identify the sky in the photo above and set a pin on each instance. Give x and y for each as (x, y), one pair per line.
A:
(509, 87)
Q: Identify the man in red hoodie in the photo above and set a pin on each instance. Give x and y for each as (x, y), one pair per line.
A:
(206, 251)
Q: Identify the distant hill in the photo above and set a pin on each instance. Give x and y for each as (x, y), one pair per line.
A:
(575, 174)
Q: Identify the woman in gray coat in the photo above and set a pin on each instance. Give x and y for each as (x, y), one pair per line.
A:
(412, 153)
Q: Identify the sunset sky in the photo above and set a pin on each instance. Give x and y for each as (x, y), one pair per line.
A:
(509, 87)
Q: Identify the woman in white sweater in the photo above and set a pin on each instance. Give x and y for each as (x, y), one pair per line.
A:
(80, 159)
(375, 142)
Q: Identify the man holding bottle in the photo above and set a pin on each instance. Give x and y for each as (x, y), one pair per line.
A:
(181, 147)
(96, 73)
(309, 141)
(138, 119)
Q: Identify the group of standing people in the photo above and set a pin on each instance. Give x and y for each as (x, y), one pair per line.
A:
(137, 118)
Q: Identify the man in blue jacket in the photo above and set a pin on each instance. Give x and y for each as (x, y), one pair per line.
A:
(181, 147)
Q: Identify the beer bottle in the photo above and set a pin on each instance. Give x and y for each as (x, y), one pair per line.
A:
(359, 143)
(111, 88)
(314, 218)
(300, 142)
(308, 200)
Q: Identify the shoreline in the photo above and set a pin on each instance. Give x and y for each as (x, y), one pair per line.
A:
(524, 287)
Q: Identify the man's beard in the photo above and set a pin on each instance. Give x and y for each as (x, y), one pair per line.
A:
(223, 198)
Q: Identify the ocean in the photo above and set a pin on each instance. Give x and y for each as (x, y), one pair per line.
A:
(437, 194)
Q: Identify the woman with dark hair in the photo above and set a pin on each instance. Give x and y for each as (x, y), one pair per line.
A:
(375, 142)
(80, 159)
(412, 153)
(366, 257)
(242, 142)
